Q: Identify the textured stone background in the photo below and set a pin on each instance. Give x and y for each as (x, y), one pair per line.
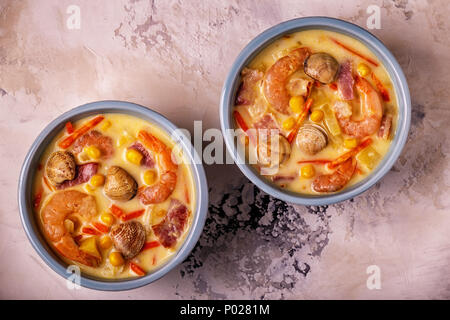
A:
(173, 56)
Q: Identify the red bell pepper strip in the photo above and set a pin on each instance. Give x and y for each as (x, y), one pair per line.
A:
(354, 51)
(150, 245)
(89, 230)
(69, 127)
(315, 161)
(67, 142)
(300, 120)
(349, 154)
(101, 227)
(116, 211)
(383, 91)
(136, 269)
(47, 183)
(133, 215)
(333, 86)
(240, 121)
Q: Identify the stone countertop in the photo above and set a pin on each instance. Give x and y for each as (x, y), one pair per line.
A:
(173, 56)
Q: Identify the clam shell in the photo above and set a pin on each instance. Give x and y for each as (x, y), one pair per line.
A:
(322, 67)
(268, 156)
(119, 184)
(60, 167)
(128, 238)
(311, 139)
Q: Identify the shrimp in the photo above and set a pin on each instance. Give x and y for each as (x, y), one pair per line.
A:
(277, 76)
(62, 205)
(337, 180)
(161, 190)
(372, 110)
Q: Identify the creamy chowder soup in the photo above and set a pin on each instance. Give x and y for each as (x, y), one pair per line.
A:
(114, 195)
(318, 110)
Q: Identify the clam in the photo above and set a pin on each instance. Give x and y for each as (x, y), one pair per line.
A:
(321, 67)
(311, 139)
(119, 184)
(60, 167)
(128, 238)
(273, 151)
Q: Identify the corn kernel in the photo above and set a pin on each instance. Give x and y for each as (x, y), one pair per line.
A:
(288, 123)
(350, 143)
(93, 152)
(363, 69)
(149, 177)
(97, 180)
(107, 218)
(105, 242)
(307, 171)
(316, 116)
(116, 259)
(296, 104)
(106, 124)
(134, 156)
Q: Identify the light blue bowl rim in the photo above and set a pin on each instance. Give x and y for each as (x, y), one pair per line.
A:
(30, 165)
(267, 37)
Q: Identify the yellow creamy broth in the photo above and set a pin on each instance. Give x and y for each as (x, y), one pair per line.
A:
(318, 41)
(123, 130)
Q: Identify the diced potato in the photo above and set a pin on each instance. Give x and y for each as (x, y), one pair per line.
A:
(350, 143)
(368, 157)
(330, 120)
(90, 247)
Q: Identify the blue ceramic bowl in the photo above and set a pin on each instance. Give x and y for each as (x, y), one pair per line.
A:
(30, 166)
(376, 46)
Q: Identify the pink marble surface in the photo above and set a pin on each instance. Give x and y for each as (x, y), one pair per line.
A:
(173, 56)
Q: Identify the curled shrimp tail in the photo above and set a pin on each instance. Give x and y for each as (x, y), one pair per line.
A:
(160, 191)
(69, 249)
(372, 111)
(166, 184)
(277, 76)
(62, 205)
(337, 180)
